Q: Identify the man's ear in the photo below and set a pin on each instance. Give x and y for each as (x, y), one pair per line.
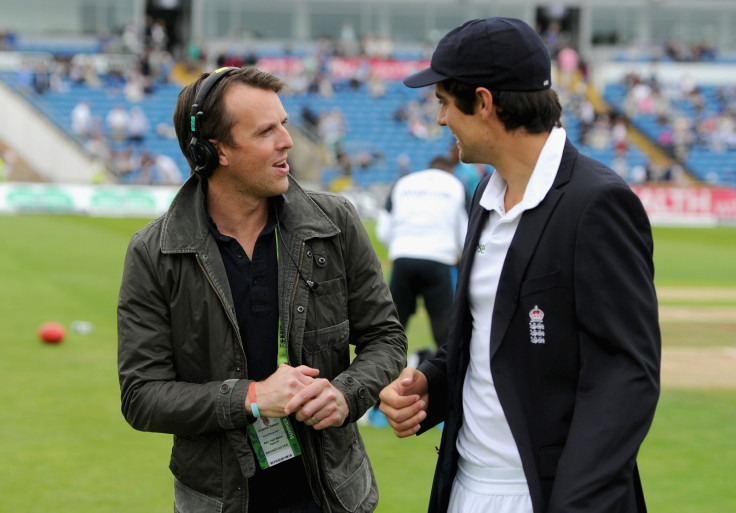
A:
(484, 101)
(221, 155)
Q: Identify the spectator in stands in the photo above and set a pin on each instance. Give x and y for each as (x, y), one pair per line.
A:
(96, 147)
(568, 62)
(41, 78)
(620, 163)
(237, 312)
(58, 77)
(135, 86)
(81, 119)
(117, 122)
(24, 77)
(547, 387)
(332, 127)
(159, 169)
(310, 119)
(619, 133)
(137, 126)
(376, 85)
(159, 35)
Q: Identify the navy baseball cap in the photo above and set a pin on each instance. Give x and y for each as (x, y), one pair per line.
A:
(504, 54)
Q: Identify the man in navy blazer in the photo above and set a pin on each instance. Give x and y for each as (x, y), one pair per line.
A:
(549, 379)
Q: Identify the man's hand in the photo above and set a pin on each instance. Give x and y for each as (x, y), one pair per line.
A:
(319, 405)
(404, 402)
(275, 392)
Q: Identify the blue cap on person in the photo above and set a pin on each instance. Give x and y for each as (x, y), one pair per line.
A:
(504, 54)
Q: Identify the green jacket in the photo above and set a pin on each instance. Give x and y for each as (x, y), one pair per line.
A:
(181, 361)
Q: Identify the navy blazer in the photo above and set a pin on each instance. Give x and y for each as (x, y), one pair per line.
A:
(580, 393)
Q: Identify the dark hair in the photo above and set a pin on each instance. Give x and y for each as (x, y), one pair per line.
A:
(536, 111)
(441, 162)
(216, 123)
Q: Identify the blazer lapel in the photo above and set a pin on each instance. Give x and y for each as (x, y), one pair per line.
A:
(522, 249)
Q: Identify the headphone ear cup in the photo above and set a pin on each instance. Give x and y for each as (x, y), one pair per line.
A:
(205, 156)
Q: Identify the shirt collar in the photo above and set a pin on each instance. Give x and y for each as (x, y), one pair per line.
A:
(274, 203)
(539, 184)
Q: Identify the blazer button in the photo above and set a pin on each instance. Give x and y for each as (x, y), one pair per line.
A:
(300, 309)
(349, 380)
(225, 388)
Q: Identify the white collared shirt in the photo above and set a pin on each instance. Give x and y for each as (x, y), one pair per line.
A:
(485, 438)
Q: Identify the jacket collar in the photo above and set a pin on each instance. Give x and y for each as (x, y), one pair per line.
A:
(185, 226)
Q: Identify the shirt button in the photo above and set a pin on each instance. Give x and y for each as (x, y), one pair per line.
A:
(349, 380)
(225, 388)
(300, 309)
(240, 254)
(362, 393)
(309, 253)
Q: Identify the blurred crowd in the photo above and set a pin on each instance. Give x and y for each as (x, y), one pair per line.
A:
(118, 140)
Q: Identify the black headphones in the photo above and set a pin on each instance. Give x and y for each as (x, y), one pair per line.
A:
(203, 153)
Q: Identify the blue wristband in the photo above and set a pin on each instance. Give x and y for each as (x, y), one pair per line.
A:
(252, 399)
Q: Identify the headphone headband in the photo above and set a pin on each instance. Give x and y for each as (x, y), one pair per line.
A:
(208, 84)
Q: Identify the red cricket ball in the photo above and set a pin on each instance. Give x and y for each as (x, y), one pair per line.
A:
(51, 332)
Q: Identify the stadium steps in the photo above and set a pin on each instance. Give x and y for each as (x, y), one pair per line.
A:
(655, 154)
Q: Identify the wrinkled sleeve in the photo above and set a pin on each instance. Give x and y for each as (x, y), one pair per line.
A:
(152, 396)
(375, 330)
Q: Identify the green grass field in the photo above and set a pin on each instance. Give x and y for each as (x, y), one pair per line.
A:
(66, 447)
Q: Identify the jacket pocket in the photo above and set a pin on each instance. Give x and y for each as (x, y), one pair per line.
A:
(347, 469)
(540, 283)
(329, 304)
(188, 500)
(196, 459)
(328, 349)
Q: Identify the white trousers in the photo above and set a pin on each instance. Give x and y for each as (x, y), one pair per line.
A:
(488, 490)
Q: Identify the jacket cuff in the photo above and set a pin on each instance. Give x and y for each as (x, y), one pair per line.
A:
(230, 404)
(356, 396)
(437, 389)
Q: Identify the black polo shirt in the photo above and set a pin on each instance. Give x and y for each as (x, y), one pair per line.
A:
(254, 287)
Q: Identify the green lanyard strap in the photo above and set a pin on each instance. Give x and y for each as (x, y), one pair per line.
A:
(283, 356)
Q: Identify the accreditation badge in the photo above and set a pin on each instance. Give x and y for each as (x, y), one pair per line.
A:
(273, 440)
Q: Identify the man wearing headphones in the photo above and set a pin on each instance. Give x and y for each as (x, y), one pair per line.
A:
(236, 315)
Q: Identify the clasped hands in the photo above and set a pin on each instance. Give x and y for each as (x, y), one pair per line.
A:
(315, 401)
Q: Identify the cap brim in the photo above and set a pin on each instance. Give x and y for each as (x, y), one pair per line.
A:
(424, 78)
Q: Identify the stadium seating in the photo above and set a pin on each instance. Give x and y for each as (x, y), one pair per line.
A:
(704, 164)
(371, 127)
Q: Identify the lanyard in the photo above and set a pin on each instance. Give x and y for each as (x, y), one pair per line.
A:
(282, 356)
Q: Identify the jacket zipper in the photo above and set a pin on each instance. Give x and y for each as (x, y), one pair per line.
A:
(322, 500)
